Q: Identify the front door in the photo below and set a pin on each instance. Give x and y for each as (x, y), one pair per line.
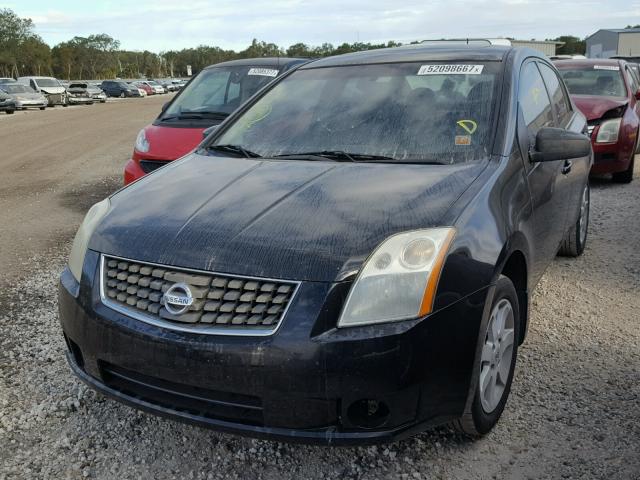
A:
(548, 186)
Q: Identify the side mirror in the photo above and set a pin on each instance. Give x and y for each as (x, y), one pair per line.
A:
(209, 130)
(559, 144)
(637, 94)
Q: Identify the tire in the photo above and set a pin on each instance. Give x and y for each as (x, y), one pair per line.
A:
(485, 409)
(42, 108)
(627, 175)
(103, 101)
(10, 112)
(576, 237)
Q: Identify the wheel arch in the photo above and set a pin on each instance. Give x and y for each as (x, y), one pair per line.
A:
(514, 264)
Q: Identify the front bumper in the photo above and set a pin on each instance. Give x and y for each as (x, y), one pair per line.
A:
(612, 157)
(79, 100)
(30, 104)
(308, 382)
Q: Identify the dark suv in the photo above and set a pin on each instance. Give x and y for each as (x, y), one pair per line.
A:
(348, 258)
(117, 88)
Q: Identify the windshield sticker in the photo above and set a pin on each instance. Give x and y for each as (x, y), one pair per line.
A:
(606, 67)
(265, 72)
(468, 126)
(451, 69)
(463, 139)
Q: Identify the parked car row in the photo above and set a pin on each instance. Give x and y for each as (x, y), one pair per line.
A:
(42, 92)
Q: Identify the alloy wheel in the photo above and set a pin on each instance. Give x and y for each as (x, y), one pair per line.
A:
(497, 355)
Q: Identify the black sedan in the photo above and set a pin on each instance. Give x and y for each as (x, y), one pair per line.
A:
(118, 88)
(348, 258)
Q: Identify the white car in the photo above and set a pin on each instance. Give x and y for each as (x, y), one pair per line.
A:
(50, 87)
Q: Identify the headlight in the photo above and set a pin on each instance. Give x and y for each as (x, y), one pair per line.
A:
(81, 241)
(608, 132)
(142, 144)
(398, 281)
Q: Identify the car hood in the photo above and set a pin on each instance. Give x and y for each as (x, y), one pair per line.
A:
(28, 96)
(297, 220)
(52, 90)
(594, 107)
(170, 143)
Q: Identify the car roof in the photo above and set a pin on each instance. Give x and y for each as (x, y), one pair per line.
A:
(259, 62)
(417, 53)
(577, 62)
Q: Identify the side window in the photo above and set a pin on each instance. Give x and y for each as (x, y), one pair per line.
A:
(631, 80)
(534, 101)
(556, 92)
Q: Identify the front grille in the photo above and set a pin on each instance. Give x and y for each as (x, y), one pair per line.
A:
(149, 166)
(222, 304)
(246, 409)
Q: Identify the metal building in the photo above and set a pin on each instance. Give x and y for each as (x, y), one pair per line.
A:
(546, 47)
(609, 42)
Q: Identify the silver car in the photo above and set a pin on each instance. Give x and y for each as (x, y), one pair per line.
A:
(24, 96)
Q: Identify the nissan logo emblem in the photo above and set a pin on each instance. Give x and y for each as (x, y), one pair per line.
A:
(177, 299)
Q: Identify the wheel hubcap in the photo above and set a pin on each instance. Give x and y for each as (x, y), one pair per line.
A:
(584, 214)
(497, 355)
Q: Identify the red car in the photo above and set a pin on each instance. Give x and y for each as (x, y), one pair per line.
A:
(607, 92)
(145, 87)
(209, 98)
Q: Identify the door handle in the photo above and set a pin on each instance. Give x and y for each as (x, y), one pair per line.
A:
(566, 168)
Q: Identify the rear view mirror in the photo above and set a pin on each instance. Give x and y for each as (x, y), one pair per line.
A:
(206, 133)
(559, 144)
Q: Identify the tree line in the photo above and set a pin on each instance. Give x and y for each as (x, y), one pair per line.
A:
(23, 52)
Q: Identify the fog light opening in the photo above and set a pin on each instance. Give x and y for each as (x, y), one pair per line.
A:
(368, 413)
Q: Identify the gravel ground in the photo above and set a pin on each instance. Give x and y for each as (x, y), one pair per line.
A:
(573, 410)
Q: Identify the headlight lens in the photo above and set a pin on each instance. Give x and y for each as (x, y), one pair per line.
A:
(142, 144)
(608, 132)
(81, 240)
(398, 281)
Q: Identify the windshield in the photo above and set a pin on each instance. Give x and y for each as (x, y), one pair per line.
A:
(16, 88)
(221, 89)
(415, 112)
(78, 85)
(600, 80)
(47, 82)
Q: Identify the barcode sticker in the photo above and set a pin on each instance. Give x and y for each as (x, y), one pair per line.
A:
(451, 69)
(265, 72)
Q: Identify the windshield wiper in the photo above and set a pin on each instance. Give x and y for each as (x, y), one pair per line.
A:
(342, 156)
(195, 115)
(335, 155)
(237, 149)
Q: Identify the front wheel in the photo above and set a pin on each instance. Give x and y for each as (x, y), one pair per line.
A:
(627, 175)
(576, 238)
(495, 363)
(10, 112)
(42, 108)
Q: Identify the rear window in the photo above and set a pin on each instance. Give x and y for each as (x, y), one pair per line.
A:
(418, 112)
(599, 80)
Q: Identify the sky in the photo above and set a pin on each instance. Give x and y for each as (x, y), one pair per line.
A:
(160, 25)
